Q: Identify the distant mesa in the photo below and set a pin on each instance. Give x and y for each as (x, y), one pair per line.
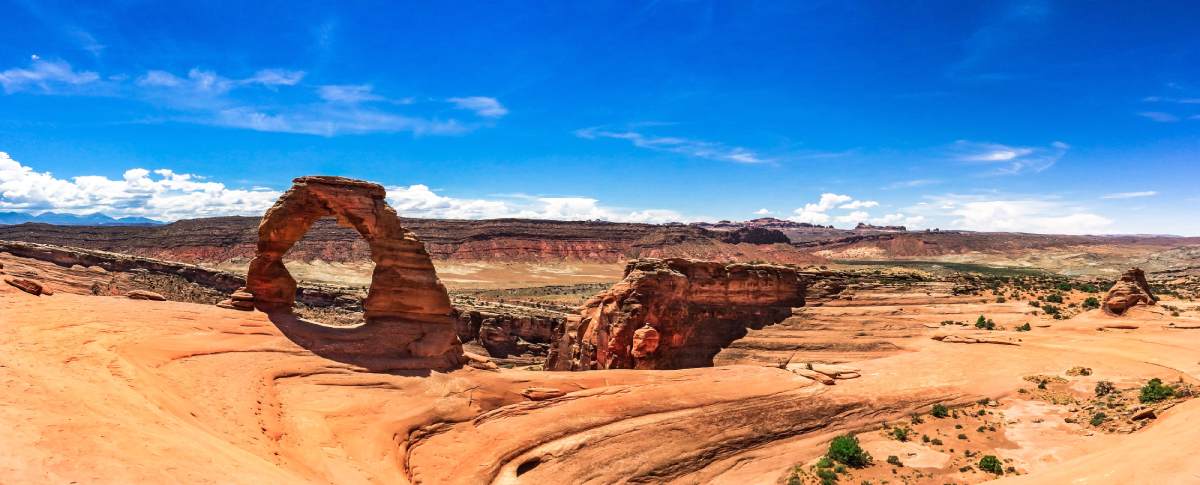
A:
(1130, 290)
(409, 323)
(862, 226)
(97, 219)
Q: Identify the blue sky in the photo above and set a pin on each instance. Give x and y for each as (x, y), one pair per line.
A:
(1065, 117)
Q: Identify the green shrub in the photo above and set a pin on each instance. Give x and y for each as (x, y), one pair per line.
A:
(935, 442)
(901, 434)
(1024, 328)
(999, 299)
(924, 438)
(827, 476)
(962, 436)
(1104, 388)
(1054, 298)
(1064, 287)
(824, 462)
(991, 464)
(894, 460)
(1091, 303)
(1155, 391)
(939, 411)
(985, 323)
(1098, 419)
(846, 450)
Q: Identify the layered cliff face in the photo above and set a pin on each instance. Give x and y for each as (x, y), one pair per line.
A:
(675, 314)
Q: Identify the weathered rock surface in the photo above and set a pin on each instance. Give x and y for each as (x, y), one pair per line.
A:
(407, 311)
(674, 314)
(25, 284)
(506, 334)
(1128, 291)
(145, 295)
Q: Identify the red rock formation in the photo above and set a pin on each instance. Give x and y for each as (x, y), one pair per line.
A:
(26, 285)
(675, 313)
(1128, 291)
(145, 295)
(409, 321)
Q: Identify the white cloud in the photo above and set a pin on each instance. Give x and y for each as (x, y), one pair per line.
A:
(419, 201)
(854, 217)
(1169, 99)
(762, 212)
(1130, 195)
(1011, 214)
(684, 146)
(859, 204)
(1159, 116)
(206, 97)
(481, 105)
(897, 219)
(46, 77)
(165, 195)
(275, 77)
(348, 93)
(1009, 160)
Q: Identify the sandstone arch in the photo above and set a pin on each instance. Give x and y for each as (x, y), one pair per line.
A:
(408, 320)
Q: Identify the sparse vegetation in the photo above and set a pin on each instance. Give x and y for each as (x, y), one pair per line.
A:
(939, 411)
(894, 460)
(1024, 328)
(991, 464)
(1155, 391)
(985, 323)
(1098, 419)
(1104, 388)
(1091, 303)
(846, 450)
(900, 433)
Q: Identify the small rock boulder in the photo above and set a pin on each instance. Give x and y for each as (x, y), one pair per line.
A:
(145, 295)
(542, 393)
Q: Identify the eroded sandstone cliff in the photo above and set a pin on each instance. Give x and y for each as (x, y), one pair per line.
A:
(674, 314)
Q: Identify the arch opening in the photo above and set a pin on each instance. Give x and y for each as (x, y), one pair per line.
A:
(407, 317)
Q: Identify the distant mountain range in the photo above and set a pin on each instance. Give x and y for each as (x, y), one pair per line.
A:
(96, 219)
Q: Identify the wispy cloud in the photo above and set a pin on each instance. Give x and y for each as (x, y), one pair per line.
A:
(988, 44)
(1130, 195)
(685, 146)
(1159, 116)
(1170, 99)
(1007, 159)
(822, 212)
(908, 184)
(481, 105)
(46, 77)
(206, 97)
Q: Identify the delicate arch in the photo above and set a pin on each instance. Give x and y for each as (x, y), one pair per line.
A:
(407, 312)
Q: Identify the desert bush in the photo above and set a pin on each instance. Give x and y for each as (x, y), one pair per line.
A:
(827, 476)
(1091, 303)
(1000, 299)
(962, 436)
(901, 434)
(1155, 391)
(894, 460)
(1104, 388)
(1054, 298)
(1024, 328)
(935, 442)
(985, 323)
(1098, 419)
(939, 411)
(846, 450)
(991, 464)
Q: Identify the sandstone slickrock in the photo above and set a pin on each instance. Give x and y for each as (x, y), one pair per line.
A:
(1128, 291)
(25, 284)
(407, 312)
(542, 393)
(695, 308)
(503, 334)
(145, 295)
